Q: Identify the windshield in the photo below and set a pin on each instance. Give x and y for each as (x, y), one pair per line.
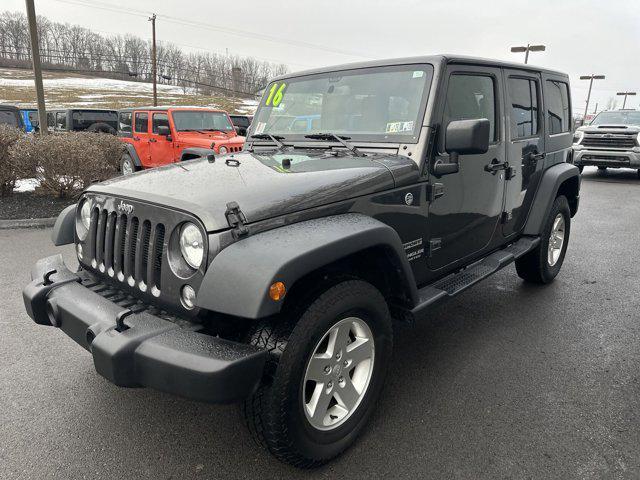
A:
(384, 104)
(192, 120)
(9, 117)
(83, 120)
(617, 118)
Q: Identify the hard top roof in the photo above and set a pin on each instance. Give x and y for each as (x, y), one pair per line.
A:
(435, 60)
(9, 107)
(81, 109)
(171, 107)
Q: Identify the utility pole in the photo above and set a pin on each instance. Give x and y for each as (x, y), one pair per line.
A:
(591, 78)
(527, 49)
(154, 72)
(626, 94)
(37, 68)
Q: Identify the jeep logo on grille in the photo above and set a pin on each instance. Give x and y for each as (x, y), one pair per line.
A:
(125, 208)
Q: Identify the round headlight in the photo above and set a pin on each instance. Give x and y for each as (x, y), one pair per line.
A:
(223, 150)
(85, 214)
(192, 245)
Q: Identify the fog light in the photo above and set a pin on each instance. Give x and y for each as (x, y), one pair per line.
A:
(277, 291)
(79, 250)
(188, 297)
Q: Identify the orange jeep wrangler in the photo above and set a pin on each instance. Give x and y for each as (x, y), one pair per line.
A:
(156, 136)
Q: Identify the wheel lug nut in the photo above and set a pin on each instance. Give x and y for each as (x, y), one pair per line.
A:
(346, 362)
(330, 385)
(327, 369)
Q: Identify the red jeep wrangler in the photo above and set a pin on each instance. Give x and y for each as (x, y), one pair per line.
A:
(156, 136)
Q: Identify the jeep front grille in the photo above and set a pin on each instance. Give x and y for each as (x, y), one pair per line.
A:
(127, 248)
(609, 140)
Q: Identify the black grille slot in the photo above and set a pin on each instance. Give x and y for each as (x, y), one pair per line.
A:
(609, 140)
(100, 235)
(144, 248)
(157, 256)
(133, 235)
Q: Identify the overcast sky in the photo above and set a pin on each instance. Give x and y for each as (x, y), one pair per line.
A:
(582, 36)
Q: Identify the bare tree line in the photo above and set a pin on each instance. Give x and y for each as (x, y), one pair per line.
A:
(65, 46)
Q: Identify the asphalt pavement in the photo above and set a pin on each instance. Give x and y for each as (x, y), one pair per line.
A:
(507, 380)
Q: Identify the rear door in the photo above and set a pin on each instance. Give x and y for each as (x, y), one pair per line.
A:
(141, 136)
(464, 220)
(160, 148)
(525, 145)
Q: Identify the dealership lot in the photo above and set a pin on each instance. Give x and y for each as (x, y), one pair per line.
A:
(507, 380)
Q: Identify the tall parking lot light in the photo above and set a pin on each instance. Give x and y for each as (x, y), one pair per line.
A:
(626, 94)
(591, 78)
(527, 49)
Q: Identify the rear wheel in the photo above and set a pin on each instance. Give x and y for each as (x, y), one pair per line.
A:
(127, 167)
(325, 373)
(602, 170)
(542, 264)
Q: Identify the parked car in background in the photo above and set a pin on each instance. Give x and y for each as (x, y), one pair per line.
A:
(83, 120)
(156, 136)
(241, 123)
(611, 140)
(30, 119)
(10, 115)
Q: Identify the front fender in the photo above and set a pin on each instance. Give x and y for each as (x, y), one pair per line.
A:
(238, 279)
(63, 229)
(550, 183)
(195, 152)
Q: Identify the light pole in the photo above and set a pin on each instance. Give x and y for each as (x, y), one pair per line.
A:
(591, 78)
(37, 68)
(624, 102)
(154, 73)
(527, 49)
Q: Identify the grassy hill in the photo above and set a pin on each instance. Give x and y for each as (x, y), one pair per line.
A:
(69, 90)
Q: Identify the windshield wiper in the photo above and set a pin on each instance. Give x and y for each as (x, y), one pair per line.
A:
(267, 136)
(341, 139)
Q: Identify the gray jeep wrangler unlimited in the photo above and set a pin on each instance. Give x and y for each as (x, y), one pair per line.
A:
(365, 193)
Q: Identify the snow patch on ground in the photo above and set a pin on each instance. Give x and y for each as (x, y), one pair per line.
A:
(26, 185)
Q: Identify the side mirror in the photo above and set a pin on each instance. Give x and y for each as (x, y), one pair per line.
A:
(164, 130)
(463, 137)
(467, 137)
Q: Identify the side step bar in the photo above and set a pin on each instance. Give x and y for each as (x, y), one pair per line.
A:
(457, 282)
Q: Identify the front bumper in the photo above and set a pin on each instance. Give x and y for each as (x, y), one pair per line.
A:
(141, 349)
(584, 156)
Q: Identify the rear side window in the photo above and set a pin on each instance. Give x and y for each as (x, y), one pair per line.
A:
(160, 119)
(142, 122)
(557, 100)
(61, 120)
(523, 94)
(8, 117)
(471, 97)
(124, 122)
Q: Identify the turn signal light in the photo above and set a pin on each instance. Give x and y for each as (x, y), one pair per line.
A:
(277, 291)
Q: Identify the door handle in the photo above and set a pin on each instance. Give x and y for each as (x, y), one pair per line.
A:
(534, 156)
(495, 166)
(152, 140)
(135, 139)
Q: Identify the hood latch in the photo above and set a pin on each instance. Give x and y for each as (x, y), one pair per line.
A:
(236, 220)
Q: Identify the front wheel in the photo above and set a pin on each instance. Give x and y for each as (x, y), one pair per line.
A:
(543, 263)
(127, 167)
(325, 373)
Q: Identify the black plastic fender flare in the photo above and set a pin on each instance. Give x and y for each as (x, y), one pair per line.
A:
(238, 279)
(63, 229)
(197, 151)
(131, 150)
(548, 188)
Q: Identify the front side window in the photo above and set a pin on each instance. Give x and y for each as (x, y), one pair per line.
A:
(142, 122)
(61, 120)
(201, 121)
(523, 93)
(159, 120)
(384, 104)
(471, 97)
(557, 99)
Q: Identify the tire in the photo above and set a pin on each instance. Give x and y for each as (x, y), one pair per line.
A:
(278, 414)
(638, 174)
(127, 167)
(101, 128)
(602, 170)
(537, 266)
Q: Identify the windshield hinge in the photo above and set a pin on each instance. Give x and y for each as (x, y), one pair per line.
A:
(434, 191)
(236, 220)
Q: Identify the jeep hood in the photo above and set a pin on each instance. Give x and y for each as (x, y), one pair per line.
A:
(261, 185)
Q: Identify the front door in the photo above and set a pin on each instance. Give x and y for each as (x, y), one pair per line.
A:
(464, 220)
(525, 146)
(160, 147)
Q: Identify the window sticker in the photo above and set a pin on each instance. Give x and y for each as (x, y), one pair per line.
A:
(399, 127)
(276, 93)
(418, 74)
